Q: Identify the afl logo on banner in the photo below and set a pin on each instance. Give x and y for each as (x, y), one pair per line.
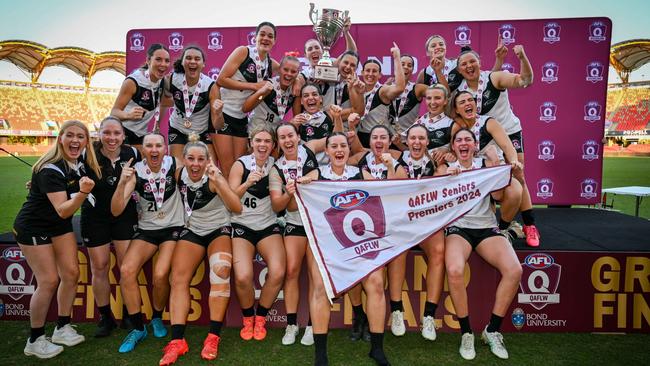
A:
(508, 68)
(215, 41)
(590, 150)
(357, 221)
(214, 73)
(547, 112)
(176, 41)
(597, 32)
(550, 72)
(16, 280)
(546, 150)
(595, 72)
(136, 42)
(545, 188)
(251, 38)
(539, 281)
(507, 34)
(589, 188)
(463, 35)
(13, 254)
(551, 32)
(592, 111)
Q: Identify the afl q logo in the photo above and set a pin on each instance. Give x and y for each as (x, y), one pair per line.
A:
(539, 281)
(507, 34)
(595, 72)
(550, 72)
(508, 68)
(590, 150)
(597, 32)
(251, 38)
(175, 41)
(215, 41)
(546, 150)
(545, 188)
(357, 220)
(136, 42)
(547, 112)
(592, 111)
(589, 188)
(16, 280)
(551, 32)
(214, 73)
(463, 35)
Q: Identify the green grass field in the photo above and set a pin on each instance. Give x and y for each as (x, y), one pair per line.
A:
(411, 349)
(617, 172)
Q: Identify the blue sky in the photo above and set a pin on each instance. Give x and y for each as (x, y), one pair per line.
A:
(102, 25)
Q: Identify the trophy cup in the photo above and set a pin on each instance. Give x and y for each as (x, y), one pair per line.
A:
(328, 27)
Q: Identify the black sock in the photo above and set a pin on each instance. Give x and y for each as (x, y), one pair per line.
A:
(495, 323)
(178, 331)
(105, 311)
(136, 321)
(261, 311)
(358, 311)
(125, 312)
(527, 217)
(376, 341)
(464, 325)
(396, 305)
(62, 321)
(215, 327)
(430, 309)
(309, 322)
(503, 225)
(248, 312)
(35, 333)
(320, 352)
(292, 319)
(157, 314)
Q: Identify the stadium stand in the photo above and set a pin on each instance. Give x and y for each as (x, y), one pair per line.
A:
(629, 107)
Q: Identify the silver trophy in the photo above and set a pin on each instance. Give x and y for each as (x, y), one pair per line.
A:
(328, 27)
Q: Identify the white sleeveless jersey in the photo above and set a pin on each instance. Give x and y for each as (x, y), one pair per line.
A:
(378, 114)
(208, 210)
(257, 212)
(147, 95)
(200, 117)
(234, 99)
(481, 216)
(152, 217)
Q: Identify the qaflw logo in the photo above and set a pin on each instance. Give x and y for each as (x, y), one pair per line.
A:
(595, 72)
(507, 34)
(176, 41)
(547, 112)
(592, 111)
(589, 188)
(546, 150)
(590, 150)
(508, 68)
(550, 72)
(597, 32)
(551, 32)
(545, 188)
(463, 35)
(136, 42)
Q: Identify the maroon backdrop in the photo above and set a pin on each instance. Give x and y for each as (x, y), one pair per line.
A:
(559, 292)
(562, 112)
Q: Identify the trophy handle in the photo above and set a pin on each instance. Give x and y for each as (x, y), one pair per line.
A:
(312, 12)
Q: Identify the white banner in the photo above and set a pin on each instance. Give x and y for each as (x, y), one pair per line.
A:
(355, 227)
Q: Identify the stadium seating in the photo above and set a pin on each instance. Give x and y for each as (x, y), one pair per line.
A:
(629, 108)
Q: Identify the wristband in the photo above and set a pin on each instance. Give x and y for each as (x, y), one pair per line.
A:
(80, 191)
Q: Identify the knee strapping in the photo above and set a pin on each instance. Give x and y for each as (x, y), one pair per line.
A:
(220, 265)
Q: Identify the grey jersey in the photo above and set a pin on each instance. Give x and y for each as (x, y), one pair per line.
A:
(208, 212)
(257, 212)
(200, 117)
(481, 216)
(147, 95)
(170, 214)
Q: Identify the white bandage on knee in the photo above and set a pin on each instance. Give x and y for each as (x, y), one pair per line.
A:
(220, 264)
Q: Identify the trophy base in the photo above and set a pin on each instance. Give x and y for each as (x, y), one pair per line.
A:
(326, 73)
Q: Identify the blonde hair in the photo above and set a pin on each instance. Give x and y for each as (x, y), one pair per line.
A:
(56, 154)
(193, 141)
(262, 128)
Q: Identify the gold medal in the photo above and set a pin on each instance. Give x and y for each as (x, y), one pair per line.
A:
(161, 214)
(187, 123)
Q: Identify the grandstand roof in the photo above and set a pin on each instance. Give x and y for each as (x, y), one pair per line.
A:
(34, 57)
(628, 56)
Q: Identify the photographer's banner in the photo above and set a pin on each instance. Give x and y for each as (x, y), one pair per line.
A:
(355, 227)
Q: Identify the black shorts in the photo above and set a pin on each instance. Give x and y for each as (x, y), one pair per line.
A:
(157, 237)
(97, 232)
(27, 237)
(473, 236)
(364, 139)
(254, 236)
(205, 240)
(130, 138)
(294, 230)
(517, 141)
(176, 137)
(237, 127)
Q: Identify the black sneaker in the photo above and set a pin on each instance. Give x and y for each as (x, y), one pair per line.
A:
(365, 333)
(360, 329)
(126, 324)
(105, 327)
(379, 357)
